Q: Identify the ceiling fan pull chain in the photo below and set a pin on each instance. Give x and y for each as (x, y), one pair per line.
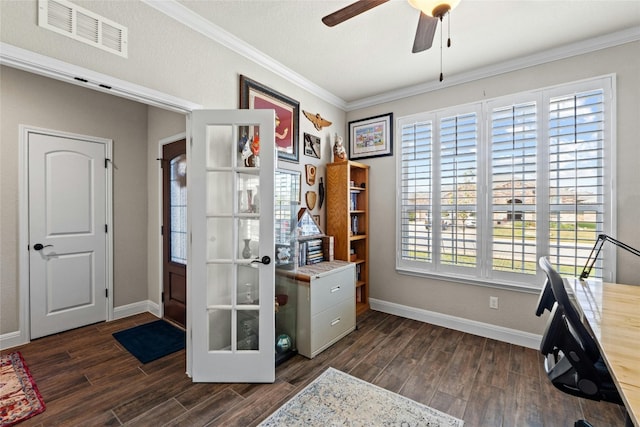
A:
(441, 75)
(448, 29)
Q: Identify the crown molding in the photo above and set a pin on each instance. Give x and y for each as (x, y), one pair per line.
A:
(36, 63)
(555, 54)
(39, 64)
(187, 17)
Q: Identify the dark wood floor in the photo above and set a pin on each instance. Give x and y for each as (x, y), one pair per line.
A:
(87, 379)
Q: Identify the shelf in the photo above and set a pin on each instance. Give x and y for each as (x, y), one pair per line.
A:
(342, 196)
(361, 307)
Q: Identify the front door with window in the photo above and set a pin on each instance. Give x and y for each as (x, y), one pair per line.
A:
(174, 231)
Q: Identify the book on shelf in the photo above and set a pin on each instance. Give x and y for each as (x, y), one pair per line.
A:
(327, 247)
(354, 199)
(311, 252)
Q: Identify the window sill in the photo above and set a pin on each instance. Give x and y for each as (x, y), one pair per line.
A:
(466, 280)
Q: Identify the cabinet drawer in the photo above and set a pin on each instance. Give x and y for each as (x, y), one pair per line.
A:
(331, 324)
(332, 289)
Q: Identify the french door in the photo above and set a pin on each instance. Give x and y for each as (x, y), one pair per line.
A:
(230, 276)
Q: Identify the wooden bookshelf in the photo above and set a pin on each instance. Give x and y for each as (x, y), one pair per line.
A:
(348, 221)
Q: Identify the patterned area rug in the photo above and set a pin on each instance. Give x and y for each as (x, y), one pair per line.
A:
(19, 395)
(338, 399)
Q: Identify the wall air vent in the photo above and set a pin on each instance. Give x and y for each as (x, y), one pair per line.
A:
(81, 24)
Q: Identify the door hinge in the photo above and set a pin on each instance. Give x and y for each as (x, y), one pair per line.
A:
(106, 228)
(162, 297)
(106, 162)
(162, 230)
(106, 293)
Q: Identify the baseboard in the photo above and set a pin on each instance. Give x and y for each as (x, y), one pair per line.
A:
(136, 308)
(12, 339)
(16, 338)
(511, 336)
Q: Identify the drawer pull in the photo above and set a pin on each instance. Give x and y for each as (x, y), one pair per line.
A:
(335, 289)
(335, 321)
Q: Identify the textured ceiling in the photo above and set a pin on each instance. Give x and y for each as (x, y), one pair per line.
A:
(371, 53)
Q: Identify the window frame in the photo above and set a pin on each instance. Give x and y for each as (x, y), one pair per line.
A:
(483, 274)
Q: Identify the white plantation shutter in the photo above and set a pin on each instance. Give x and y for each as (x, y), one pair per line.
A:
(416, 185)
(536, 183)
(458, 183)
(576, 187)
(513, 187)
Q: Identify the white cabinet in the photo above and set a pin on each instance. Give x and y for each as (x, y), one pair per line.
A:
(326, 305)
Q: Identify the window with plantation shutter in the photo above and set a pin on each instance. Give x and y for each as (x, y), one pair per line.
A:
(576, 168)
(458, 195)
(486, 189)
(514, 167)
(416, 191)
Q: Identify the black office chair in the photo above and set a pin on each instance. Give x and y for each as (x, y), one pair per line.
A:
(572, 359)
(545, 299)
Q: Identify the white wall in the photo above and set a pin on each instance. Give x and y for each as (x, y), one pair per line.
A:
(469, 301)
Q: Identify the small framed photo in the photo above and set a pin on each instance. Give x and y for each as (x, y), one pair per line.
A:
(371, 137)
(256, 96)
(312, 146)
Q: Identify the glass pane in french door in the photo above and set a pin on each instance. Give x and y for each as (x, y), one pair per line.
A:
(233, 238)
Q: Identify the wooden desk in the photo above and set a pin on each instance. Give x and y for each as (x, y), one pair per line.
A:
(612, 312)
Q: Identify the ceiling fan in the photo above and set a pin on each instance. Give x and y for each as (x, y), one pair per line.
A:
(430, 12)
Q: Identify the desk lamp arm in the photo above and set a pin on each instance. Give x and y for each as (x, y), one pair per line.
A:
(596, 249)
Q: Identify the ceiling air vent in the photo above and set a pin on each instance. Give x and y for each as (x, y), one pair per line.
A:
(80, 24)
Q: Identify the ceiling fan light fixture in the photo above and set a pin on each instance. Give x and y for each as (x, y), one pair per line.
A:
(434, 8)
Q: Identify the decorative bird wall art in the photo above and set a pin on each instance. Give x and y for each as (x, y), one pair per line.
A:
(317, 120)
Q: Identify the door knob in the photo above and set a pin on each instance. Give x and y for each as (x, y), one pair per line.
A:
(40, 246)
(265, 260)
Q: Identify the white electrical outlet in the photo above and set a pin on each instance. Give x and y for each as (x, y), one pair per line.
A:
(493, 302)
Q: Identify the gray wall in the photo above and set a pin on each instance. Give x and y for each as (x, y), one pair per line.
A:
(470, 301)
(168, 57)
(42, 102)
(161, 124)
(165, 56)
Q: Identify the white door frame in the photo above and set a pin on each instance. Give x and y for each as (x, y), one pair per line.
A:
(23, 222)
(162, 143)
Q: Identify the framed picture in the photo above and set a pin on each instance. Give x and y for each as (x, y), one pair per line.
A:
(312, 146)
(256, 96)
(372, 137)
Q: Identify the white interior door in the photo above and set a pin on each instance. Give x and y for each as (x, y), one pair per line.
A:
(230, 281)
(67, 235)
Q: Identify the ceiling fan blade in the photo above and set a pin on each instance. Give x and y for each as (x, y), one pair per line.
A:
(424, 34)
(348, 12)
